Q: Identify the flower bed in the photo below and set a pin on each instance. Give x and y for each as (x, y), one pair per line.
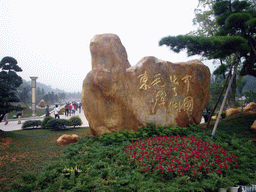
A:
(162, 159)
(177, 156)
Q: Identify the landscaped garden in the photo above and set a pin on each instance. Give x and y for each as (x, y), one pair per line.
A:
(153, 159)
(28, 112)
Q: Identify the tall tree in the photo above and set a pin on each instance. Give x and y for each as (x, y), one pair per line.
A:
(236, 33)
(46, 98)
(9, 82)
(205, 19)
(25, 94)
(62, 96)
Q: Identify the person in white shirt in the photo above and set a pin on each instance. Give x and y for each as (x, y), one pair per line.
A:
(73, 109)
(56, 111)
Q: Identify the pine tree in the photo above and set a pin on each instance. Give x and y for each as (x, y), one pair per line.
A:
(236, 33)
(9, 82)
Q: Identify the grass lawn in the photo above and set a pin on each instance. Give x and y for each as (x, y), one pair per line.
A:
(28, 150)
(27, 113)
(239, 124)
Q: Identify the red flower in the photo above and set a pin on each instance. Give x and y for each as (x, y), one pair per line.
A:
(183, 154)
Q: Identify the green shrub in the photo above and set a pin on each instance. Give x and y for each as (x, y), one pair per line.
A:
(223, 114)
(149, 131)
(101, 164)
(88, 165)
(45, 120)
(75, 121)
(33, 124)
(57, 124)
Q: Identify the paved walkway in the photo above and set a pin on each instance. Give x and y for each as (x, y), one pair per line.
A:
(13, 123)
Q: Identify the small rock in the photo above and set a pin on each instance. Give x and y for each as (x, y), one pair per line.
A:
(250, 108)
(214, 118)
(41, 103)
(66, 139)
(232, 111)
(253, 127)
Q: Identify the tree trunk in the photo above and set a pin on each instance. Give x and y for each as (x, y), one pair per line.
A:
(232, 95)
(229, 73)
(233, 92)
(2, 117)
(223, 102)
(250, 67)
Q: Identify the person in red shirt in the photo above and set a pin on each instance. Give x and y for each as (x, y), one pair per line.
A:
(66, 109)
(70, 108)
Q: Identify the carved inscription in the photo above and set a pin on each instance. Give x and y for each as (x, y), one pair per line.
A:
(186, 80)
(159, 101)
(160, 96)
(176, 105)
(143, 81)
(158, 81)
(174, 81)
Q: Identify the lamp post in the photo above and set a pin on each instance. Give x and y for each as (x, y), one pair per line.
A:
(33, 83)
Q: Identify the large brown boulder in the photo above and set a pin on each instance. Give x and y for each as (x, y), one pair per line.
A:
(117, 96)
(66, 139)
(232, 111)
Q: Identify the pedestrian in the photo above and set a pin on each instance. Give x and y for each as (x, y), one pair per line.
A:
(6, 118)
(70, 108)
(66, 109)
(6, 114)
(76, 105)
(19, 114)
(80, 107)
(56, 112)
(73, 109)
(47, 111)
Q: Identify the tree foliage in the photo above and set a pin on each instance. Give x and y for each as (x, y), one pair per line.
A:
(205, 19)
(236, 33)
(9, 82)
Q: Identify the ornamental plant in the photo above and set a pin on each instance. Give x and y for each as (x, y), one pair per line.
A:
(57, 124)
(75, 121)
(45, 121)
(177, 156)
(90, 165)
(202, 163)
(150, 130)
(31, 124)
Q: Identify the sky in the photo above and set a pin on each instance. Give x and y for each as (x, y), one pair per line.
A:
(50, 38)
